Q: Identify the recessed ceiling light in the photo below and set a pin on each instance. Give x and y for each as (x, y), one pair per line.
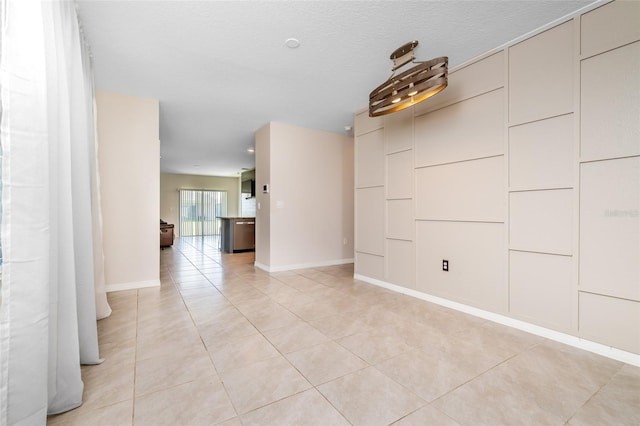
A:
(292, 43)
(251, 150)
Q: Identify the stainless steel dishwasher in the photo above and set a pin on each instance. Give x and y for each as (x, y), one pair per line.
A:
(244, 234)
(238, 234)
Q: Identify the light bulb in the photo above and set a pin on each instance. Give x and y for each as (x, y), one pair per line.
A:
(413, 92)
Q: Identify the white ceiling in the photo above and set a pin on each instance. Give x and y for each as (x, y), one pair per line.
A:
(221, 70)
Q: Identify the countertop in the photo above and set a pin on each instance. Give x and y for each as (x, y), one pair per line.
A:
(234, 217)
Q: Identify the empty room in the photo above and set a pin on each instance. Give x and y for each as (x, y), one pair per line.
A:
(320, 212)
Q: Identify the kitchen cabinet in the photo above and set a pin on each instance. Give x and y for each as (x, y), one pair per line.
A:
(238, 234)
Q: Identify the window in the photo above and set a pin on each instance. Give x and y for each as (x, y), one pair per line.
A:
(200, 211)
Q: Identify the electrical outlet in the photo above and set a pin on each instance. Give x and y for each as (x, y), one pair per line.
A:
(445, 265)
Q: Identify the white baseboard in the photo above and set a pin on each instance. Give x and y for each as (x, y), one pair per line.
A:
(261, 266)
(302, 265)
(132, 285)
(577, 342)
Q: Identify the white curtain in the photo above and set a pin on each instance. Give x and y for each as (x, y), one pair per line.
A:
(103, 310)
(48, 300)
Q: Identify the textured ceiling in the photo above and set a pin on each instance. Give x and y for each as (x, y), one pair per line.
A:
(221, 70)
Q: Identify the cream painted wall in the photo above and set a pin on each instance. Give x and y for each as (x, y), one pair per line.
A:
(129, 159)
(529, 191)
(309, 207)
(170, 184)
(263, 199)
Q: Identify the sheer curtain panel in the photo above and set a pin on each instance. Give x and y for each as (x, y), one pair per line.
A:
(48, 304)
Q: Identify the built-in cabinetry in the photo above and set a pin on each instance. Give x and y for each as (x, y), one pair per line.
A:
(238, 234)
(531, 191)
(542, 181)
(609, 170)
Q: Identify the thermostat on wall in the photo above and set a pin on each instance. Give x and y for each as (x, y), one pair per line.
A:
(265, 188)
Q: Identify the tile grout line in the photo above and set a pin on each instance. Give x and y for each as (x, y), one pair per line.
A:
(313, 386)
(135, 358)
(220, 380)
(596, 392)
(261, 332)
(245, 277)
(482, 374)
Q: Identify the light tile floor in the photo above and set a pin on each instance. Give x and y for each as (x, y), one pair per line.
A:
(221, 342)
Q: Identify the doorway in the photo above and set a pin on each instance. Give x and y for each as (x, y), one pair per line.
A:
(200, 211)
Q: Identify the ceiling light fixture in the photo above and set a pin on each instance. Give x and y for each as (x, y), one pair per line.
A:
(292, 43)
(409, 87)
(251, 150)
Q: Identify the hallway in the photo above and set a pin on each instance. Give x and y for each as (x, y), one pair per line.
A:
(221, 342)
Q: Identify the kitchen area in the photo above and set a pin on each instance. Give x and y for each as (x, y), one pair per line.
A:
(220, 209)
(238, 234)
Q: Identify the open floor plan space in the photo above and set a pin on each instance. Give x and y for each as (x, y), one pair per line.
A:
(221, 342)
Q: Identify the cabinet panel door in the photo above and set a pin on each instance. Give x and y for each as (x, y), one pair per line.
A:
(469, 190)
(476, 256)
(541, 75)
(541, 289)
(542, 221)
(610, 227)
(400, 220)
(370, 265)
(610, 116)
(400, 175)
(610, 321)
(530, 165)
(400, 268)
(475, 79)
(370, 220)
(398, 131)
(464, 131)
(365, 124)
(610, 26)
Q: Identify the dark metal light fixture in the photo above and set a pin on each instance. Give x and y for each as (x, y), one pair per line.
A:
(411, 86)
